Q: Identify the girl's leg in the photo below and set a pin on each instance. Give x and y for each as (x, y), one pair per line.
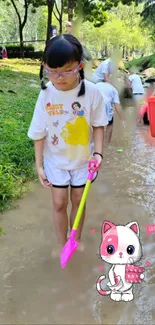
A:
(76, 194)
(60, 202)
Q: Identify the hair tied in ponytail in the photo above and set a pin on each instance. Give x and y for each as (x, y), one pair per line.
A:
(43, 86)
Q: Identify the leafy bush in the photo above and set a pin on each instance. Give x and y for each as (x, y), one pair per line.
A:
(29, 51)
(2, 232)
(142, 63)
(10, 185)
(36, 55)
(16, 109)
(14, 50)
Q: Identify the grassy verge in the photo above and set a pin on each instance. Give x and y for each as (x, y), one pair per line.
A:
(142, 63)
(19, 88)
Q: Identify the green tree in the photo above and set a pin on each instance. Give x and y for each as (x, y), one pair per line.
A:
(22, 15)
(70, 8)
(93, 11)
(9, 28)
(58, 13)
(22, 18)
(50, 6)
(8, 24)
(121, 30)
(148, 12)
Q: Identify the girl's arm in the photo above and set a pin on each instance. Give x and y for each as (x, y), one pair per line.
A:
(106, 77)
(143, 109)
(119, 112)
(128, 83)
(98, 121)
(98, 133)
(39, 147)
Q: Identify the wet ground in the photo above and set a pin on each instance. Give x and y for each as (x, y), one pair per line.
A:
(34, 289)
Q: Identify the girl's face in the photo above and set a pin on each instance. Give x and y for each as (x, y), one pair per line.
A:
(66, 77)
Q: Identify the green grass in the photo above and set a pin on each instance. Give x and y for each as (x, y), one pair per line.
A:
(142, 63)
(16, 109)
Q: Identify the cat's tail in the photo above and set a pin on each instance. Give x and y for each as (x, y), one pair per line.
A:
(98, 287)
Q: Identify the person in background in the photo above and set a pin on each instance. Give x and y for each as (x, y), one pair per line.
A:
(107, 70)
(144, 110)
(111, 100)
(103, 72)
(68, 27)
(4, 53)
(144, 114)
(135, 84)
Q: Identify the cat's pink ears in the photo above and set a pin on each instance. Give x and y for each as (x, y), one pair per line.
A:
(106, 226)
(134, 226)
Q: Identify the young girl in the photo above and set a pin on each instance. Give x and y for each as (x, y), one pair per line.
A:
(69, 110)
(144, 109)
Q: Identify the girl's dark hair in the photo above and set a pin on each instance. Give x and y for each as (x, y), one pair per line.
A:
(60, 50)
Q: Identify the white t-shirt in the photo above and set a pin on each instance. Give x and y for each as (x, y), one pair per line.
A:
(110, 96)
(104, 67)
(136, 84)
(66, 120)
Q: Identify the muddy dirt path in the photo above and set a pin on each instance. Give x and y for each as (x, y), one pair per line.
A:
(34, 289)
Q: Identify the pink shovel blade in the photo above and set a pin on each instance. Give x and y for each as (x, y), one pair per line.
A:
(69, 249)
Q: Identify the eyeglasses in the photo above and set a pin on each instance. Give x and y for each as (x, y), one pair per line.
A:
(65, 74)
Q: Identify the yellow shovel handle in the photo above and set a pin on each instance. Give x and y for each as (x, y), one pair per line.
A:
(81, 206)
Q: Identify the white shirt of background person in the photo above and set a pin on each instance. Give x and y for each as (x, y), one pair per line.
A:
(136, 84)
(137, 87)
(103, 71)
(108, 68)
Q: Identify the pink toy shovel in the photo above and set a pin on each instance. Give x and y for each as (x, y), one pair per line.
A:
(71, 246)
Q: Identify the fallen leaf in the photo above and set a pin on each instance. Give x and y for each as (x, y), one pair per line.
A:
(101, 267)
(120, 150)
(92, 231)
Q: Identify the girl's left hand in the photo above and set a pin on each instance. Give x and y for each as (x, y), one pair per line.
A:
(99, 159)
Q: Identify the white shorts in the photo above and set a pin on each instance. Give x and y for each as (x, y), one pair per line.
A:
(63, 178)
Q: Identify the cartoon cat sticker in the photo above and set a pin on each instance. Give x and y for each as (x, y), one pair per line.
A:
(121, 247)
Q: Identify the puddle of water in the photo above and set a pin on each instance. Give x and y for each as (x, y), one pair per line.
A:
(34, 290)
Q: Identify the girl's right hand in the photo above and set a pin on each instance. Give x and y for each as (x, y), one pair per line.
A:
(43, 179)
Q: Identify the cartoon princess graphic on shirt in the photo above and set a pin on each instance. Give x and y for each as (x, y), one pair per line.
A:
(76, 133)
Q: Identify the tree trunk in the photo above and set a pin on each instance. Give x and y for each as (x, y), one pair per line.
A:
(21, 41)
(71, 4)
(61, 15)
(60, 26)
(50, 4)
(123, 52)
(106, 50)
(21, 23)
